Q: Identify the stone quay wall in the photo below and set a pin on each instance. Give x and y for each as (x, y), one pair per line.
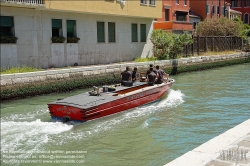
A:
(85, 71)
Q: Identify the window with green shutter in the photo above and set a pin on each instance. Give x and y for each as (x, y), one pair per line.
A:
(111, 31)
(6, 26)
(100, 32)
(207, 9)
(134, 32)
(143, 33)
(71, 28)
(223, 11)
(56, 23)
(56, 28)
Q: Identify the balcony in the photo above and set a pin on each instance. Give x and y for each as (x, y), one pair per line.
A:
(23, 3)
(174, 26)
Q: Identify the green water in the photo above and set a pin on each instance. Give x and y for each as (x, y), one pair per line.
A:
(199, 106)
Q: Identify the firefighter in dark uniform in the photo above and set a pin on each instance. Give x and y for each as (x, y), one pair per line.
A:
(126, 77)
(161, 74)
(151, 66)
(134, 74)
(151, 77)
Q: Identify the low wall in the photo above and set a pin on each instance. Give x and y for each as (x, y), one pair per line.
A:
(42, 82)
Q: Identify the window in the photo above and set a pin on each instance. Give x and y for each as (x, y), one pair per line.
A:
(181, 16)
(235, 3)
(152, 2)
(218, 10)
(56, 28)
(143, 1)
(223, 11)
(100, 32)
(166, 14)
(71, 28)
(134, 33)
(185, 2)
(6, 26)
(177, 1)
(247, 3)
(207, 9)
(194, 25)
(111, 31)
(246, 18)
(143, 33)
(213, 10)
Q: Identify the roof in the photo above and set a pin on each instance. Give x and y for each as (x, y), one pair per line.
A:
(192, 14)
(235, 11)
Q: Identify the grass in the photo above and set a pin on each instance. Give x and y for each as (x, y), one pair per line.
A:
(145, 59)
(211, 53)
(22, 69)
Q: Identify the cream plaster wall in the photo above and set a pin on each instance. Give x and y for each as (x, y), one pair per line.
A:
(132, 8)
(34, 47)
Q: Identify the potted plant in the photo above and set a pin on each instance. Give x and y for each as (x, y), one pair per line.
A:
(8, 39)
(58, 39)
(73, 39)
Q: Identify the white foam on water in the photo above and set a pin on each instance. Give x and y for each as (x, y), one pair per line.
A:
(26, 116)
(28, 136)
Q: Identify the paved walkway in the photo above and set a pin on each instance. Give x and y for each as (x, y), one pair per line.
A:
(231, 148)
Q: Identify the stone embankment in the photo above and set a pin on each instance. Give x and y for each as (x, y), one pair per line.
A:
(21, 85)
(231, 148)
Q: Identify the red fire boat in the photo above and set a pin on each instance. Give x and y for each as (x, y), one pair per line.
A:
(106, 101)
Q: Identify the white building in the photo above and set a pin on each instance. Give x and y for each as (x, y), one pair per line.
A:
(105, 37)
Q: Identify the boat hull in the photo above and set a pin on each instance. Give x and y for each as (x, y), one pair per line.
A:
(123, 100)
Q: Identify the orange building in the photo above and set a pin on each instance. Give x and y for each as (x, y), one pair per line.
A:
(208, 8)
(175, 16)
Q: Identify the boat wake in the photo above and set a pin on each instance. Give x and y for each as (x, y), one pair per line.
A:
(27, 132)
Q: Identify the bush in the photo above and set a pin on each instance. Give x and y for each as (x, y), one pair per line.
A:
(221, 27)
(168, 45)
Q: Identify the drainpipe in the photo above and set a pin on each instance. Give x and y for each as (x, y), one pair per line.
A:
(228, 10)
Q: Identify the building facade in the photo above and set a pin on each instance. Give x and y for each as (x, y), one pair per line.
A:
(67, 33)
(175, 16)
(242, 6)
(208, 8)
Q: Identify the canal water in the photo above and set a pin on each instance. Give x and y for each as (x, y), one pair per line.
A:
(198, 107)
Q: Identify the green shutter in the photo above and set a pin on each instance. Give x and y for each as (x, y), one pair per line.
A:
(207, 8)
(134, 33)
(56, 23)
(111, 30)
(71, 28)
(143, 32)
(100, 32)
(6, 21)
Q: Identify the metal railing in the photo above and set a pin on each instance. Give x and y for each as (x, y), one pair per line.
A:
(25, 1)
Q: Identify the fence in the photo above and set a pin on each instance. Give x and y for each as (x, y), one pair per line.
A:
(24, 1)
(213, 43)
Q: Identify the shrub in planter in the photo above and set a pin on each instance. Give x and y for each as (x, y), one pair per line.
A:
(58, 39)
(73, 39)
(8, 39)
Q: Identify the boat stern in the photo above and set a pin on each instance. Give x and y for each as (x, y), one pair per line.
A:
(66, 113)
